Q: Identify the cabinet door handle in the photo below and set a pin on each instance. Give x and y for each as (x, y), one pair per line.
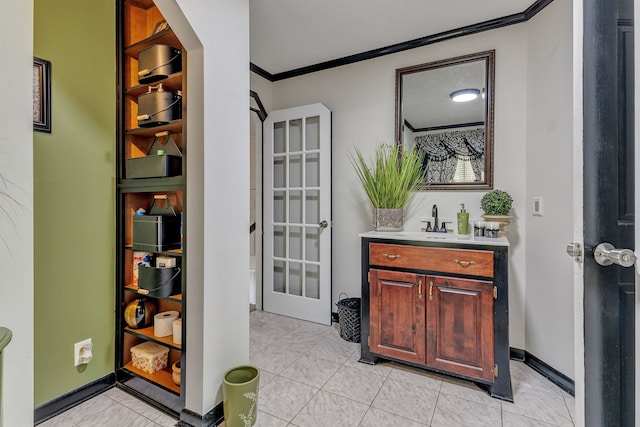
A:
(391, 256)
(464, 263)
(430, 290)
(419, 289)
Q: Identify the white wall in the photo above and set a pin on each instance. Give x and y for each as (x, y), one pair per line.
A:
(362, 99)
(16, 227)
(217, 191)
(549, 290)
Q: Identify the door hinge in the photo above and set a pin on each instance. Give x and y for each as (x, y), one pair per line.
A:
(495, 292)
(495, 371)
(369, 277)
(368, 340)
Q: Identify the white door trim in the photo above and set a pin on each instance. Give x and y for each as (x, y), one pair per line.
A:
(578, 204)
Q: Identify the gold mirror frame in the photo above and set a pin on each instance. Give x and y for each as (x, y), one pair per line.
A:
(489, 58)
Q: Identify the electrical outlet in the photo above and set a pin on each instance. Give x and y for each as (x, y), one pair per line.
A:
(82, 352)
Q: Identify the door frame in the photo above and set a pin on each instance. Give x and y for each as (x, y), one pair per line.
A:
(578, 204)
(259, 146)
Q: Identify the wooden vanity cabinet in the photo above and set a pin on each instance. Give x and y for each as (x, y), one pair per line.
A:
(460, 326)
(439, 306)
(397, 315)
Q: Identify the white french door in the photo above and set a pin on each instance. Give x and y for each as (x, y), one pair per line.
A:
(297, 213)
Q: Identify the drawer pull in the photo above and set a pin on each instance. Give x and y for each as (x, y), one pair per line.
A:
(464, 263)
(392, 256)
(430, 290)
(419, 289)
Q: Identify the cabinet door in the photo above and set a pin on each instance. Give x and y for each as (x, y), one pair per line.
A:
(397, 315)
(460, 326)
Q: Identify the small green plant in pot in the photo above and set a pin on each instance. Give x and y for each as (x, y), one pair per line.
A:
(496, 205)
(389, 182)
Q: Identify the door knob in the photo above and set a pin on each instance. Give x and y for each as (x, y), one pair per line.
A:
(606, 254)
(323, 224)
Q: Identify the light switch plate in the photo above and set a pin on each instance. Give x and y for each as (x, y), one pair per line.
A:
(537, 207)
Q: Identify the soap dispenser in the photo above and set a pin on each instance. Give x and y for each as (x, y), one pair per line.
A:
(463, 220)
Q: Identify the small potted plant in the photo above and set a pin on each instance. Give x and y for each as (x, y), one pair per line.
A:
(389, 182)
(496, 205)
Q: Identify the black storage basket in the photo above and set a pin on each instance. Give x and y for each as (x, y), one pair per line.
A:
(349, 318)
(159, 282)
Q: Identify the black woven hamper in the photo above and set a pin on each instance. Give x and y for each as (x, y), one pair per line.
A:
(349, 318)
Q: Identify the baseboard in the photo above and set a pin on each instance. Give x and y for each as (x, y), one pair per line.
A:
(553, 375)
(516, 354)
(547, 371)
(73, 398)
(212, 418)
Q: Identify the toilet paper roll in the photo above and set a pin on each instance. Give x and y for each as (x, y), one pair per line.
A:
(177, 331)
(163, 323)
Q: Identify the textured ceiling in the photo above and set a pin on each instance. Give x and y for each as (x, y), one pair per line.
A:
(290, 34)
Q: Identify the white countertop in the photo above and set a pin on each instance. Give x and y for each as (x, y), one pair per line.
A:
(422, 236)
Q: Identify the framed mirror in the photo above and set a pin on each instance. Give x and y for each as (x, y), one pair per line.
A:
(445, 110)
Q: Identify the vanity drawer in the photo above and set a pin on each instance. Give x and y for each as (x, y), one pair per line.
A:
(460, 261)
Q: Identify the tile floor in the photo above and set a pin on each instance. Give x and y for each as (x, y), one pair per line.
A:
(311, 377)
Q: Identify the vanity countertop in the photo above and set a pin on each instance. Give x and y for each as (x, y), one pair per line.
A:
(422, 236)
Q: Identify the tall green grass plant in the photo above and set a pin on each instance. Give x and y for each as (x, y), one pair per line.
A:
(393, 176)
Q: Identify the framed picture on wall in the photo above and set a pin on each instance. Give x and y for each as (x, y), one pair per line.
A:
(41, 95)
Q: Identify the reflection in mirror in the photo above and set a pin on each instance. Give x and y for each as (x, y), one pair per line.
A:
(445, 109)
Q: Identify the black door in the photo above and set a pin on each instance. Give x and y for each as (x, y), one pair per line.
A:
(608, 211)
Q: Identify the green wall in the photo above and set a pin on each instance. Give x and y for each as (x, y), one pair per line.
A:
(74, 195)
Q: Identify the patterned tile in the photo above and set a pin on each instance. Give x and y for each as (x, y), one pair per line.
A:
(330, 410)
(377, 417)
(417, 377)
(299, 341)
(284, 398)
(570, 401)
(354, 384)
(309, 377)
(453, 412)
(381, 368)
(407, 400)
(540, 404)
(267, 420)
(311, 370)
(84, 411)
(274, 359)
(514, 420)
(469, 391)
(334, 349)
(117, 415)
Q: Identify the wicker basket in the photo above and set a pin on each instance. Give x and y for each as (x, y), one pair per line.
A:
(349, 318)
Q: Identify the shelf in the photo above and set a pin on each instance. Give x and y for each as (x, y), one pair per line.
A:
(172, 252)
(173, 127)
(172, 83)
(161, 378)
(163, 37)
(143, 4)
(134, 288)
(147, 334)
(173, 183)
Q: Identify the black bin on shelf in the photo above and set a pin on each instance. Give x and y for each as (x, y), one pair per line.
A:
(158, 62)
(159, 282)
(349, 318)
(157, 231)
(154, 165)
